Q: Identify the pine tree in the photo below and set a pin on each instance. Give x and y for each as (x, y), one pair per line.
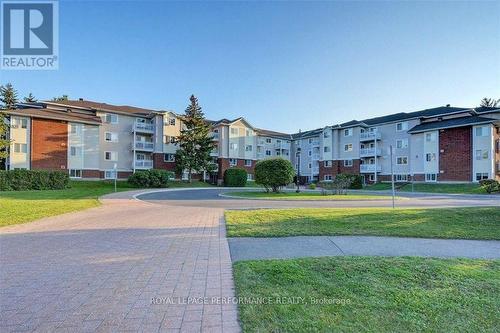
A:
(30, 98)
(490, 102)
(8, 96)
(4, 143)
(60, 98)
(195, 142)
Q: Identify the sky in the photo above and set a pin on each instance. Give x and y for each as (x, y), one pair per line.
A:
(283, 66)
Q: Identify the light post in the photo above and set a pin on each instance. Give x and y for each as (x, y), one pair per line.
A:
(298, 170)
(116, 173)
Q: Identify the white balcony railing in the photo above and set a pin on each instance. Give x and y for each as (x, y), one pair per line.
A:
(369, 168)
(365, 152)
(144, 164)
(214, 152)
(215, 136)
(315, 143)
(369, 136)
(141, 145)
(144, 127)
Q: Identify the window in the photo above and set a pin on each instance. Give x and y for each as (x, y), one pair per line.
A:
(233, 162)
(402, 126)
(482, 131)
(248, 132)
(348, 163)
(309, 152)
(482, 154)
(348, 132)
(171, 121)
(248, 163)
(248, 148)
(249, 176)
(75, 151)
(310, 140)
(111, 137)
(168, 139)
(327, 164)
(402, 160)
(234, 131)
(233, 146)
(111, 118)
(430, 177)
(326, 134)
(73, 128)
(278, 153)
(371, 177)
(20, 148)
(327, 177)
(401, 178)
(268, 153)
(403, 143)
(19, 122)
(481, 176)
(109, 174)
(75, 173)
(348, 147)
(430, 137)
(326, 149)
(429, 157)
(110, 155)
(169, 157)
(309, 165)
(268, 140)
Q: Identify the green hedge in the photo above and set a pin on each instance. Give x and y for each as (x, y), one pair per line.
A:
(235, 177)
(23, 180)
(151, 178)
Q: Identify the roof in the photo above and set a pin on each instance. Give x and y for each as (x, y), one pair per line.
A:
(265, 132)
(57, 115)
(307, 134)
(486, 109)
(449, 123)
(103, 107)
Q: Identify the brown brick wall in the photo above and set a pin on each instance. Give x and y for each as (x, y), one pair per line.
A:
(338, 167)
(455, 154)
(92, 174)
(159, 163)
(49, 144)
(240, 163)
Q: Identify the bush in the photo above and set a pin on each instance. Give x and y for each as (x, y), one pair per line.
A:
(235, 177)
(312, 186)
(151, 178)
(24, 180)
(356, 181)
(274, 173)
(490, 185)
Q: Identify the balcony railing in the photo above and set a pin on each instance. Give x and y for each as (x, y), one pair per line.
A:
(215, 136)
(369, 136)
(366, 152)
(144, 127)
(214, 152)
(145, 164)
(141, 145)
(315, 143)
(369, 168)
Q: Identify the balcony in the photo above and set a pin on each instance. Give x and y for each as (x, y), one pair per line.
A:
(144, 127)
(215, 136)
(369, 168)
(146, 146)
(143, 164)
(369, 136)
(368, 152)
(214, 153)
(315, 143)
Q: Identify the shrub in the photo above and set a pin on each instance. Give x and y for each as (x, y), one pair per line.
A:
(490, 185)
(274, 173)
(235, 177)
(151, 178)
(356, 180)
(24, 180)
(312, 186)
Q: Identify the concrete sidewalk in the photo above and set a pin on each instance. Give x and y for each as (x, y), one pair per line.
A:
(316, 246)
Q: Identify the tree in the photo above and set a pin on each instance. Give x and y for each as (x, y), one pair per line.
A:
(4, 143)
(274, 173)
(8, 96)
(30, 98)
(60, 98)
(490, 102)
(195, 142)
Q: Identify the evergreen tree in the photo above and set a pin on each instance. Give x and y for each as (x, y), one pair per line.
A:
(60, 98)
(195, 142)
(8, 96)
(4, 143)
(490, 102)
(30, 98)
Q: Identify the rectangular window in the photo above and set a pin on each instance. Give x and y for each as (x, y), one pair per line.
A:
(268, 153)
(248, 148)
(327, 164)
(248, 132)
(111, 118)
(430, 137)
(233, 162)
(481, 176)
(429, 157)
(111, 137)
(171, 121)
(109, 174)
(482, 154)
(327, 177)
(348, 132)
(233, 146)
(326, 149)
(111, 156)
(401, 178)
(402, 126)
(169, 139)
(309, 166)
(348, 163)
(73, 128)
(310, 152)
(401, 144)
(248, 163)
(326, 134)
(75, 173)
(234, 131)
(278, 153)
(430, 177)
(169, 157)
(19, 122)
(249, 176)
(20, 148)
(402, 160)
(268, 140)
(75, 151)
(482, 131)
(348, 147)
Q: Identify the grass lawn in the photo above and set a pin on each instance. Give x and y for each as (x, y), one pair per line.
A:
(376, 294)
(431, 188)
(464, 223)
(306, 196)
(24, 206)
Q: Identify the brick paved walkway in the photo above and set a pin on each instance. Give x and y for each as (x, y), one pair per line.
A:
(118, 268)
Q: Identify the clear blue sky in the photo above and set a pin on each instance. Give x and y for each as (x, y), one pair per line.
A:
(281, 65)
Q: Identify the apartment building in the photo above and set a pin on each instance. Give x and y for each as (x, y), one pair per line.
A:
(92, 140)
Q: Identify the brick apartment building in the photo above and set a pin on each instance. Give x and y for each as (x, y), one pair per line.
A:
(87, 139)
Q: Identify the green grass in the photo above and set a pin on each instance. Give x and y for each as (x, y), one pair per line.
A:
(306, 196)
(25, 206)
(463, 223)
(431, 188)
(375, 294)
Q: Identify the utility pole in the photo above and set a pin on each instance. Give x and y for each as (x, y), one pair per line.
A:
(392, 177)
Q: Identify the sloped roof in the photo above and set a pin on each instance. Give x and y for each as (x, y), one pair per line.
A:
(449, 123)
(103, 107)
(57, 115)
(486, 109)
(307, 134)
(265, 132)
